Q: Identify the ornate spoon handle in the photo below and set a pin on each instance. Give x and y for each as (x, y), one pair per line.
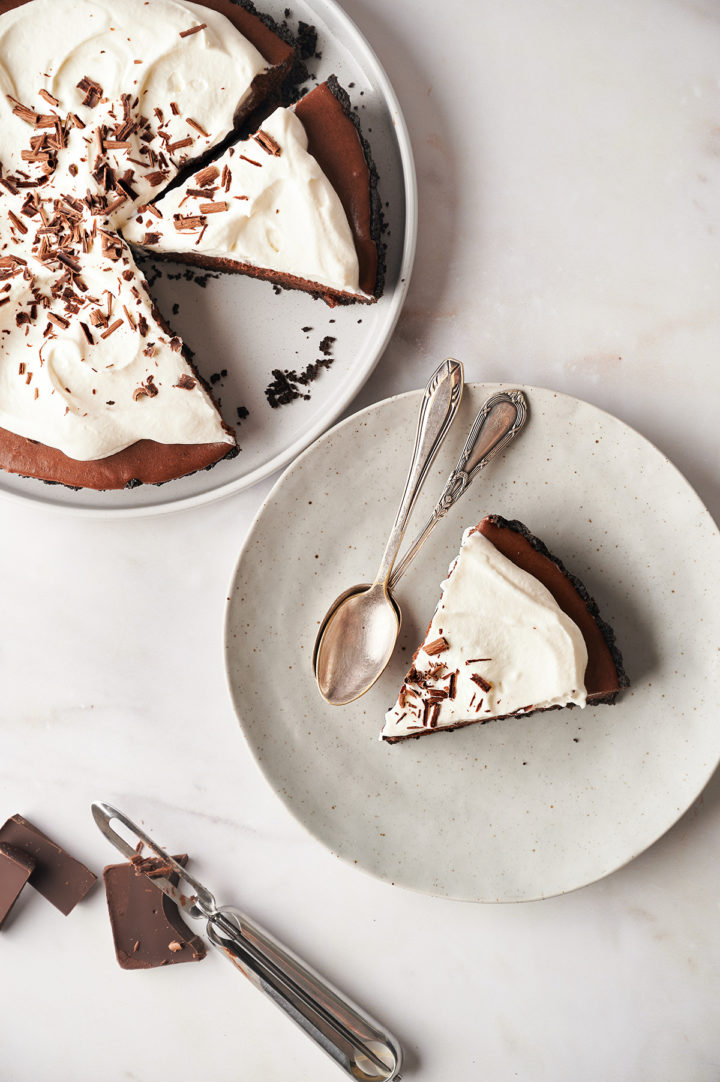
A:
(497, 423)
(437, 410)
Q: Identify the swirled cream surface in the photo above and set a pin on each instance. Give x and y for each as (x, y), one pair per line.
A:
(266, 202)
(498, 644)
(135, 85)
(84, 365)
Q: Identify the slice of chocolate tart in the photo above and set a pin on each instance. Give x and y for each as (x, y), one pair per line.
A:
(295, 204)
(514, 632)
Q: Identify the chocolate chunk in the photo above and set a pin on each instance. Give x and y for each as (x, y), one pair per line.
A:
(60, 878)
(147, 928)
(16, 868)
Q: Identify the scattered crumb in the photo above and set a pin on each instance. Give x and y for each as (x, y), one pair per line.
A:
(287, 383)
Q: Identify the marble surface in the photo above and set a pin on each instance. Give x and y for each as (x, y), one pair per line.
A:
(568, 162)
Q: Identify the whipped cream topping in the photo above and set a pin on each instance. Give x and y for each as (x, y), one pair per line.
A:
(100, 104)
(498, 644)
(265, 202)
(133, 90)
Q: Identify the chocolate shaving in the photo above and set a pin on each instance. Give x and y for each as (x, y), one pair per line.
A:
(193, 30)
(269, 145)
(69, 261)
(180, 144)
(158, 176)
(47, 96)
(206, 176)
(93, 91)
(212, 208)
(437, 646)
(198, 127)
(17, 222)
(112, 328)
(151, 867)
(188, 222)
(185, 382)
(485, 685)
(22, 111)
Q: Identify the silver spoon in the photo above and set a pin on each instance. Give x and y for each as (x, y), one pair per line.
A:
(358, 634)
(360, 648)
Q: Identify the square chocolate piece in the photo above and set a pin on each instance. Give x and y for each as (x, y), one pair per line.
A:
(15, 869)
(147, 928)
(57, 876)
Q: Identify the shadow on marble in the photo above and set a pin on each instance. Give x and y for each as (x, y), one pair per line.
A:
(438, 172)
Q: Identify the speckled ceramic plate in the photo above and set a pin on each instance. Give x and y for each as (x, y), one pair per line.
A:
(240, 330)
(513, 810)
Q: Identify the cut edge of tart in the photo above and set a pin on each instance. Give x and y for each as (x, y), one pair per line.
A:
(295, 204)
(514, 633)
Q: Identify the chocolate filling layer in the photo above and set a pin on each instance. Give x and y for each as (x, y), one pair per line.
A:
(605, 674)
(335, 143)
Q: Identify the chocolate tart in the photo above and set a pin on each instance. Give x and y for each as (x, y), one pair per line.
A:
(147, 461)
(427, 689)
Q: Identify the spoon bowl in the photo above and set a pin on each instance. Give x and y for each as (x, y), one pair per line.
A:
(357, 641)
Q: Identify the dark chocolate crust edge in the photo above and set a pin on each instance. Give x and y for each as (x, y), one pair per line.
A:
(279, 279)
(377, 224)
(485, 721)
(605, 630)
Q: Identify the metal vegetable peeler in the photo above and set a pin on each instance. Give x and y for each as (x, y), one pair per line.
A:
(356, 1042)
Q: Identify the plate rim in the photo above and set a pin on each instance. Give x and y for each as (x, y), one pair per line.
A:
(286, 457)
(529, 390)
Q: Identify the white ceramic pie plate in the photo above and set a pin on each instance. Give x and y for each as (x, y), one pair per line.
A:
(513, 810)
(240, 325)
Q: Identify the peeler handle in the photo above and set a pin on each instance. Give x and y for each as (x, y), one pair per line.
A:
(352, 1038)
